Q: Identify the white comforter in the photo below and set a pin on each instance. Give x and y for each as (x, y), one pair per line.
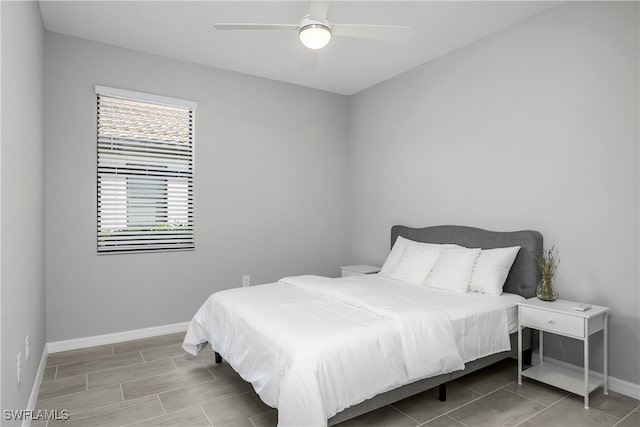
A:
(312, 346)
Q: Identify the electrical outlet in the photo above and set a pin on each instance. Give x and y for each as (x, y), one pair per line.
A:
(19, 366)
(27, 348)
(246, 280)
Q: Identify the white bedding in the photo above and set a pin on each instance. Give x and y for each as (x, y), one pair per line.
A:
(509, 301)
(312, 346)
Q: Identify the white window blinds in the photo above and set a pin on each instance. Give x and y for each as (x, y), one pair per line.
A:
(145, 172)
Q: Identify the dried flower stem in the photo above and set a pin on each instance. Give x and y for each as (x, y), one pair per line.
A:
(548, 262)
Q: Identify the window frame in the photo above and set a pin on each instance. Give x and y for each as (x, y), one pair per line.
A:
(146, 98)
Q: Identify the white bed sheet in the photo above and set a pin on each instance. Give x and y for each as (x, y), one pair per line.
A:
(297, 349)
(420, 330)
(481, 323)
(509, 301)
(313, 346)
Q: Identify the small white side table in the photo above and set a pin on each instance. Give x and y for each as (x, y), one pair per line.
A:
(359, 270)
(559, 317)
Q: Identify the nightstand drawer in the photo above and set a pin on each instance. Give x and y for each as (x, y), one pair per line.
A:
(560, 323)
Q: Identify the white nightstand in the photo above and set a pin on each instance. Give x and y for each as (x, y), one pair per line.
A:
(559, 317)
(359, 270)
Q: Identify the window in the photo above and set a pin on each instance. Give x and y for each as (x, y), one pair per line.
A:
(145, 172)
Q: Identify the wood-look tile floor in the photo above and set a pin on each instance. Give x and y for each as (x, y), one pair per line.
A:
(153, 382)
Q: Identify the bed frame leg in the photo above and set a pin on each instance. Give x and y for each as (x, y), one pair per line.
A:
(442, 392)
(526, 356)
(218, 357)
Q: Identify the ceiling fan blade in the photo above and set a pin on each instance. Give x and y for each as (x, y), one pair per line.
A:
(240, 26)
(391, 33)
(318, 9)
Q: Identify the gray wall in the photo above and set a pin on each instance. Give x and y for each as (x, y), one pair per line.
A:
(270, 200)
(22, 199)
(533, 127)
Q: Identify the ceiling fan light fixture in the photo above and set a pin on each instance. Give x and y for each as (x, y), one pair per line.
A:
(315, 36)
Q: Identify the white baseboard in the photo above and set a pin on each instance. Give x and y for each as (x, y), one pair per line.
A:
(31, 406)
(615, 384)
(77, 343)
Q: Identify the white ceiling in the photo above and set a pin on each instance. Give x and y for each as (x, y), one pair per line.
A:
(184, 30)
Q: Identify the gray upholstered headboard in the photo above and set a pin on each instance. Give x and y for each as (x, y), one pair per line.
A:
(524, 275)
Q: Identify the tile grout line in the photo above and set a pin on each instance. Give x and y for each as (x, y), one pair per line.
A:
(469, 402)
(95, 359)
(443, 416)
(174, 363)
(122, 392)
(164, 391)
(405, 414)
(142, 355)
(160, 416)
(110, 405)
(215, 399)
(179, 388)
(107, 369)
(143, 347)
(532, 400)
(113, 353)
(161, 405)
(627, 416)
(214, 375)
(457, 421)
(172, 369)
(535, 401)
(55, 374)
(541, 411)
(71, 395)
(103, 357)
(207, 416)
(86, 382)
(469, 388)
(143, 420)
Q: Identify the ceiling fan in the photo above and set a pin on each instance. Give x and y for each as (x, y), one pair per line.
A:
(315, 30)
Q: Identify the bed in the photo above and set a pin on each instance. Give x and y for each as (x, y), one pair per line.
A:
(326, 350)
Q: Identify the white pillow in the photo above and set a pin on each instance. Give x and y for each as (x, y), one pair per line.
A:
(394, 256)
(415, 264)
(492, 269)
(453, 269)
(398, 249)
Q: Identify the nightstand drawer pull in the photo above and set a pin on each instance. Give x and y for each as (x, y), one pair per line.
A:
(551, 321)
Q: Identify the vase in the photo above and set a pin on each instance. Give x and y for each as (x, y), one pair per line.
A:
(547, 290)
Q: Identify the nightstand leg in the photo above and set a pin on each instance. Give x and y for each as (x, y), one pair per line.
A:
(519, 351)
(606, 354)
(586, 372)
(541, 344)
